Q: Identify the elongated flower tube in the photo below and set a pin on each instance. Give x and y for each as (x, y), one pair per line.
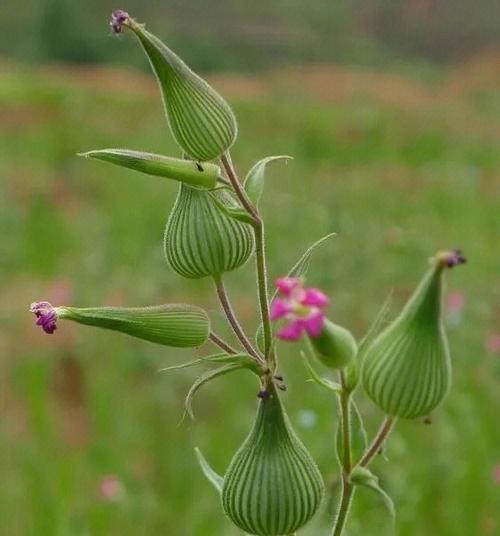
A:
(201, 121)
(406, 370)
(182, 326)
(272, 486)
(178, 169)
(200, 239)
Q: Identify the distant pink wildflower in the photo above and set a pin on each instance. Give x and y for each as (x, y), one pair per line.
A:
(493, 343)
(301, 307)
(496, 474)
(110, 488)
(455, 302)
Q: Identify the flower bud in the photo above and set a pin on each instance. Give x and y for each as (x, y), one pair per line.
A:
(200, 239)
(272, 486)
(201, 121)
(180, 326)
(182, 170)
(335, 347)
(406, 370)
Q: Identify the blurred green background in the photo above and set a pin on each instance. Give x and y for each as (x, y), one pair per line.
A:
(391, 110)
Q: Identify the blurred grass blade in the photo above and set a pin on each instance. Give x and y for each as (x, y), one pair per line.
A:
(178, 169)
(375, 326)
(214, 478)
(254, 182)
(181, 326)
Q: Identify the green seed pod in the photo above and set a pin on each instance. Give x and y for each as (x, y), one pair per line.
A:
(186, 171)
(182, 326)
(335, 347)
(272, 486)
(406, 370)
(200, 239)
(201, 121)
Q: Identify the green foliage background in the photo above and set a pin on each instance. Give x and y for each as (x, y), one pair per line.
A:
(399, 165)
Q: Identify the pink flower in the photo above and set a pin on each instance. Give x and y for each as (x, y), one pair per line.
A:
(110, 488)
(496, 474)
(301, 307)
(492, 343)
(455, 302)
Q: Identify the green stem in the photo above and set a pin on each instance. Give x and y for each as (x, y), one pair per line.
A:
(260, 258)
(233, 321)
(221, 343)
(347, 487)
(378, 441)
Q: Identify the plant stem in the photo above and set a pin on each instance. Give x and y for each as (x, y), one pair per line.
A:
(378, 441)
(233, 321)
(347, 487)
(221, 343)
(260, 258)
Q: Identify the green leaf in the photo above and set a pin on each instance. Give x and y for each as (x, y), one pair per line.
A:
(319, 380)
(254, 182)
(182, 326)
(359, 439)
(374, 328)
(214, 478)
(239, 214)
(242, 359)
(201, 121)
(187, 171)
(205, 378)
(361, 476)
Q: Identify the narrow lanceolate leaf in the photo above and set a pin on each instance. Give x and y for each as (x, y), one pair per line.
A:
(201, 121)
(214, 478)
(180, 326)
(254, 182)
(187, 171)
(327, 384)
(406, 370)
(272, 486)
(200, 239)
(205, 378)
(243, 360)
(361, 476)
(359, 439)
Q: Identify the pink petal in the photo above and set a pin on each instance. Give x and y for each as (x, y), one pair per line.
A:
(313, 324)
(315, 297)
(279, 309)
(291, 332)
(287, 284)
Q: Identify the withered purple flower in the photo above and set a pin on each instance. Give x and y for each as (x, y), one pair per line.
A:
(118, 17)
(46, 316)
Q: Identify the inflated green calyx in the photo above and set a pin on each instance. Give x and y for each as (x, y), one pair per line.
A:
(272, 486)
(406, 370)
(201, 239)
(201, 121)
(335, 347)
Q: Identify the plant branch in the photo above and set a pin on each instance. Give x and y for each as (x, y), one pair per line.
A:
(378, 441)
(221, 343)
(233, 321)
(260, 258)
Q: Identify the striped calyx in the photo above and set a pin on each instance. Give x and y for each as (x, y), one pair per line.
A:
(335, 346)
(178, 169)
(201, 239)
(182, 326)
(201, 121)
(406, 370)
(272, 486)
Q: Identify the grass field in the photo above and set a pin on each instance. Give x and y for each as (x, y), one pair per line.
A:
(399, 165)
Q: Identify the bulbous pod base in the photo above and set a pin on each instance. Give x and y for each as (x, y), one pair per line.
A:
(272, 486)
(200, 239)
(407, 370)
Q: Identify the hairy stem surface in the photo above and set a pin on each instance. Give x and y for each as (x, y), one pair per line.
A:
(221, 343)
(233, 321)
(378, 441)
